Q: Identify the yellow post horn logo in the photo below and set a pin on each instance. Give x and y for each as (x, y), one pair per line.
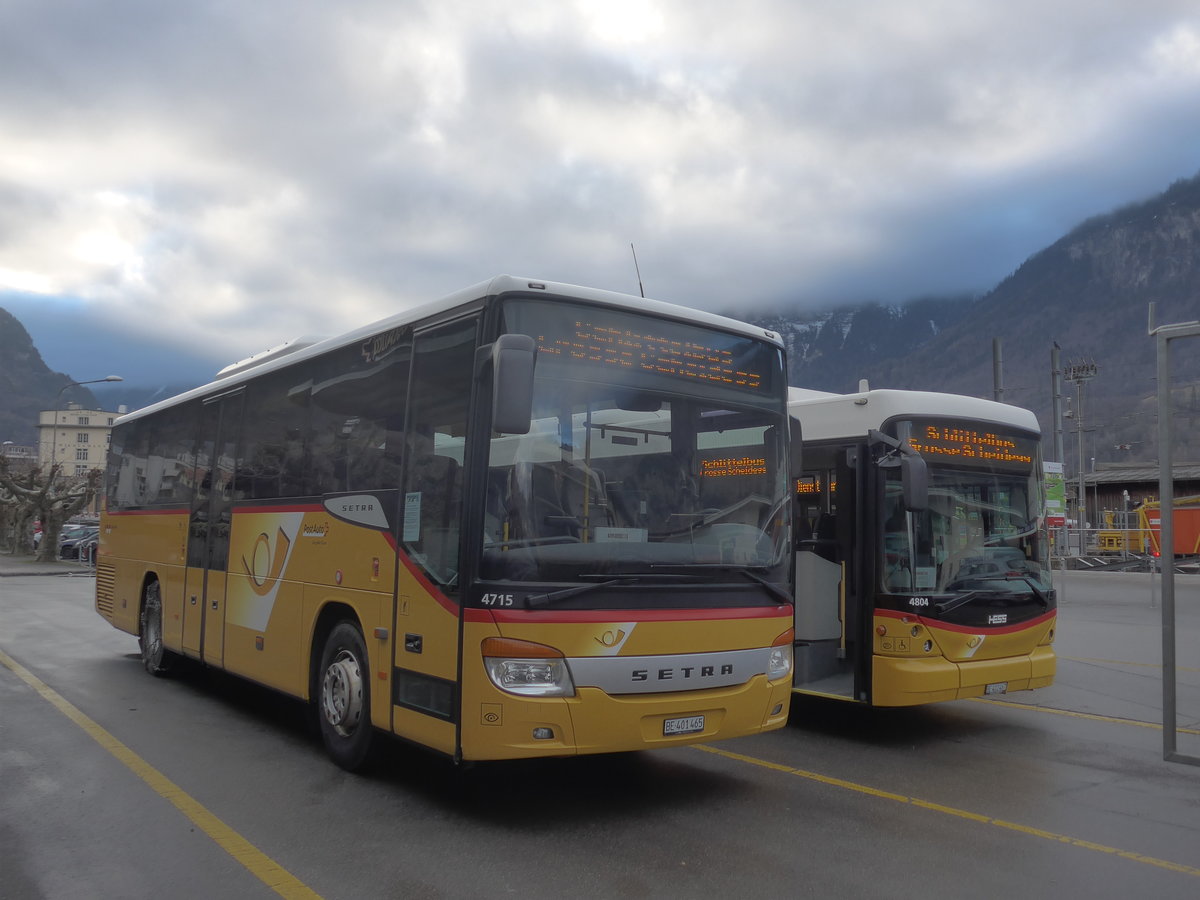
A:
(266, 567)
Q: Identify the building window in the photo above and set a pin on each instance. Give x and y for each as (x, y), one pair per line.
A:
(83, 420)
(81, 470)
(81, 454)
(81, 438)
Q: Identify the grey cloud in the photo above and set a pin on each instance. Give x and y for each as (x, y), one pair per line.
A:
(305, 154)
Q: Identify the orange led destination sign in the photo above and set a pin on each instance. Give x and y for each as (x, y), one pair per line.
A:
(629, 349)
(960, 443)
(729, 466)
(812, 485)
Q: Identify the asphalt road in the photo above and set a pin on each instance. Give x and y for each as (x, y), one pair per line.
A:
(116, 784)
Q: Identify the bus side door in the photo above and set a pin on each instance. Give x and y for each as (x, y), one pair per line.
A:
(209, 527)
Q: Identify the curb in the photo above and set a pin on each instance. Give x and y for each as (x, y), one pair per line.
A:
(18, 568)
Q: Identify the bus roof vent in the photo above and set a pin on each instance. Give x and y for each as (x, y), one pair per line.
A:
(258, 359)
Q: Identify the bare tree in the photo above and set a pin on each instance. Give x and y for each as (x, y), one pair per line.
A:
(51, 498)
(16, 515)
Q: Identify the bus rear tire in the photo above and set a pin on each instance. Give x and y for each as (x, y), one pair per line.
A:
(156, 658)
(344, 698)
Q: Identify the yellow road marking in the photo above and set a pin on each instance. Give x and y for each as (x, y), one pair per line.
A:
(1124, 662)
(256, 862)
(950, 810)
(1081, 715)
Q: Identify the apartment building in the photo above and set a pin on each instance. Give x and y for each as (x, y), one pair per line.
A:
(74, 437)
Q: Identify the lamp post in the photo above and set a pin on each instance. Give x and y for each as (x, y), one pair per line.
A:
(58, 399)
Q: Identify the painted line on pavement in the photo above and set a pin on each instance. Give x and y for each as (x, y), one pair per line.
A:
(1123, 662)
(951, 811)
(254, 860)
(1072, 714)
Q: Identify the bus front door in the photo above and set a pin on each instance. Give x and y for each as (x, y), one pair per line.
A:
(425, 691)
(209, 526)
(825, 650)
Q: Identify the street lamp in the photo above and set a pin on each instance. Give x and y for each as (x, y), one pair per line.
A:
(58, 399)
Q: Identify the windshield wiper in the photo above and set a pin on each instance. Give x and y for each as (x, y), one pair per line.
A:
(771, 586)
(1041, 596)
(947, 605)
(554, 596)
(630, 578)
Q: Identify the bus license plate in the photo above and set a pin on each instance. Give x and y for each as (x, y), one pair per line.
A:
(686, 725)
(1000, 687)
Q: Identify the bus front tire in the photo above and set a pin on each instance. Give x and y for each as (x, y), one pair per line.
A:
(344, 698)
(156, 658)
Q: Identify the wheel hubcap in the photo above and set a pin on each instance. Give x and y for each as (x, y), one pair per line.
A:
(342, 692)
(152, 628)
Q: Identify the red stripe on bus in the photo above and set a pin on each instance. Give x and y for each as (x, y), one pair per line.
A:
(237, 510)
(966, 629)
(415, 571)
(180, 511)
(627, 615)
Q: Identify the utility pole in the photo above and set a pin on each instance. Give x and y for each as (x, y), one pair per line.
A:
(997, 371)
(1056, 373)
(1078, 373)
(1059, 451)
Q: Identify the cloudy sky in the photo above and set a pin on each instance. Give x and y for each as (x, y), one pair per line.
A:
(225, 175)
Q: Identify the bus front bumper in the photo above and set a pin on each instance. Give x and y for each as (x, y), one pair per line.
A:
(911, 682)
(593, 721)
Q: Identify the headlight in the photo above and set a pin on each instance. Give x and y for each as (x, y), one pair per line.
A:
(779, 663)
(527, 669)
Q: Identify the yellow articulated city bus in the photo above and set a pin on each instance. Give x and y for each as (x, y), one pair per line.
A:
(922, 566)
(530, 519)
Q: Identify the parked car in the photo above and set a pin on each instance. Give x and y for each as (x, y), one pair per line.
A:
(69, 546)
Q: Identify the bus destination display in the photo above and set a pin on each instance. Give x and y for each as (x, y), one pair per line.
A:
(629, 349)
(964, 443)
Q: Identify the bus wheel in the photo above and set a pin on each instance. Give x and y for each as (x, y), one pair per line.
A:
(343, 706)
(157, 659)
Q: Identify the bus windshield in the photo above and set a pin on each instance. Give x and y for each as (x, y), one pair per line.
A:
(981, 532)
(639, 462)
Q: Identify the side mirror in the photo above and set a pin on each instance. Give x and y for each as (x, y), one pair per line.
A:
(914, 481)
(513, 358)
(914, 474)
(795, 449)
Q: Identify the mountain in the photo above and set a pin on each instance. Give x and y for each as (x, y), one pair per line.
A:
(827, 351)
(1090, 292)
(27, 385)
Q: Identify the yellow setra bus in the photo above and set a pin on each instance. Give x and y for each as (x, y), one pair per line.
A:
(530, 519)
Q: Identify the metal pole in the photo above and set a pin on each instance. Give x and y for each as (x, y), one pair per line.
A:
(1166, 543)
(997, 371)
(1153, 585)
(1081, 496)
(1079, 373)
(1166, 487)
(1059, 451)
